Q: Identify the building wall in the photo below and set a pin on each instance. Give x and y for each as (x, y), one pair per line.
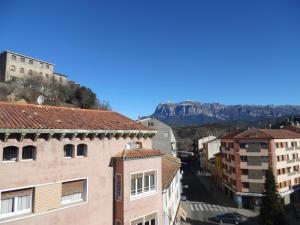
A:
(51, 167)
(138, 207)
(262, 154)
(41, 68)
(164, 140)
(171, 200)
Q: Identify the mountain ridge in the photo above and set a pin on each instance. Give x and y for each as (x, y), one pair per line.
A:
(197, 113)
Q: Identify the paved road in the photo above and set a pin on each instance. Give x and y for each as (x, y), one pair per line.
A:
(203, 203)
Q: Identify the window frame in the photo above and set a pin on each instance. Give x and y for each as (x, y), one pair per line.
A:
(143, 193)
(72, 151)
(33, 152)
(15, 203)
(85, 150)
(118, 196)
(17, 155)
(84, 193)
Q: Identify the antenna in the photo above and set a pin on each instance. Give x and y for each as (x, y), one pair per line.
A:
(40, 100)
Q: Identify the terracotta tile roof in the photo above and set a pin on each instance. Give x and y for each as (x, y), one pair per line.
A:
(170, 165)
(137, 154)
(264, 134)
(28, 116)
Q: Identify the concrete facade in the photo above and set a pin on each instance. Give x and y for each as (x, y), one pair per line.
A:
(164, 139)
(245, 160)
(14, 66)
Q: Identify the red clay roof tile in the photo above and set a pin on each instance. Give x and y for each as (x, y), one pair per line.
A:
(29, 116)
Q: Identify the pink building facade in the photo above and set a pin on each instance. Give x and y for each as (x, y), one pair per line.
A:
(59, 166)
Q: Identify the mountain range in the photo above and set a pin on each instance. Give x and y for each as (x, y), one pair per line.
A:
(195, 113)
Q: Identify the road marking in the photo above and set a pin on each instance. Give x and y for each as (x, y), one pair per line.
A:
(196, 207)
(205, 207)
(192, 208)
(220, 208)
(200, 206)
(210, 208)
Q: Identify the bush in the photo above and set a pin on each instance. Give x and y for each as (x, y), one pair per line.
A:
(56, 93)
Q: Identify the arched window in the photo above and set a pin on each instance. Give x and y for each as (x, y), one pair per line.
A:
(30, 72)
(29, 152)
(82, 150)
(10, 153)
(69, 151)
(21, 70)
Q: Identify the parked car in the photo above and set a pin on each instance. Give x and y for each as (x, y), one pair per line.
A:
(232, 218)
(183, 197)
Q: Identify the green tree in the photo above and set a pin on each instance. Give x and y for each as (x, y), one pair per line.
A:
(272, 210)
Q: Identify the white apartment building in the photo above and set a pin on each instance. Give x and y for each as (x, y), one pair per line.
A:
(171, 188)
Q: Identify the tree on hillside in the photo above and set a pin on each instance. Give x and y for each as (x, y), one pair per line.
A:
(28, 88)
(272, 211)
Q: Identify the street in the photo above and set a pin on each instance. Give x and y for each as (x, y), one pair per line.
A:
(204, 201)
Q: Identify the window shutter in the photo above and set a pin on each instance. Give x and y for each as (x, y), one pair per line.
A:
(72, 187)
(18, 193)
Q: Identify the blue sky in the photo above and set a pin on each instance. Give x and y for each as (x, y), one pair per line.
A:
(139, 53)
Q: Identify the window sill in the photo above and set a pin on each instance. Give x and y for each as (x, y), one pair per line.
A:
(63, 204)
(27, 160)
(14, 215)
(7, 161)
(142, 195)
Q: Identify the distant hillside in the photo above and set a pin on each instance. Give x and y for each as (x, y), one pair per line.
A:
(190, 113)
(69, 94)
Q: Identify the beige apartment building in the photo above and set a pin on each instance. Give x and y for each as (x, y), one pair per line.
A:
(14, 65)
(246, 155)
(73, 166)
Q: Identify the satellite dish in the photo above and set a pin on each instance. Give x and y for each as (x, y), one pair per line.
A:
(40, 100)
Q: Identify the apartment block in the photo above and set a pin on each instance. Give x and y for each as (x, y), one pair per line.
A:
(74, 166)
(164, 139)
(246, 155)
(14, 65)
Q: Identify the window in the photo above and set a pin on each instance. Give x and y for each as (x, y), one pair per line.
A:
(243, 145)
(21, 70)
(265, 159)
(145, 220)
(243, 158)
(143, 182)
(31, 61)
(47, 66)
(150, 124)
(12, 68)
(47, 76)
(82, 150)
(22, 59)
(28, 152)
(16, 202)
(41, 73)
(73, 191)
(118, 187)
(10, 153)
(264, 145)
(30, 72)
(69, 151)
(13, 57)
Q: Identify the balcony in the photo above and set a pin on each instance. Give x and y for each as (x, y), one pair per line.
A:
(289, 148)
(291, 173)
